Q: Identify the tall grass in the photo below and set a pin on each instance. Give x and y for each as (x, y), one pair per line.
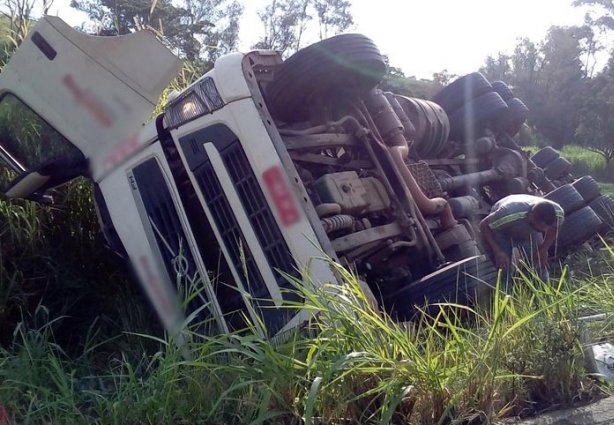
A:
(350, 364)
(55, 256)
(586, 162)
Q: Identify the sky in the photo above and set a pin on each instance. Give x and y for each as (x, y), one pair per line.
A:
(426, 36)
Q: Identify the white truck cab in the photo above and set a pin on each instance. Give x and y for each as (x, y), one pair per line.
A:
(88, 98)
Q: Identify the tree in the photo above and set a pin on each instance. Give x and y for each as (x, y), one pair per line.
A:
(559, 85)
(527, 62)
(199, 30)
(397, 82)
(213, 26)
(284, 23)
(600, 15)
(287, 21)
(549, 77)
(498, 68)
(443, 78)
(334, 16)
(595, 130)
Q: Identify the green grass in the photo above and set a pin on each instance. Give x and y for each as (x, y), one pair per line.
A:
(607, 188)
(520, 355)
(92, 355)
(585, 162)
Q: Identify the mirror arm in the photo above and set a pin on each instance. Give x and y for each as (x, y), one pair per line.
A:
(41, 198)
(12, 162)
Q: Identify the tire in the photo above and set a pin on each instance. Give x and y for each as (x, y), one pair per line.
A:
(457, 243)
(558, 168)
(515, 116)
(503, 89)
(604, 208)
(578, 227)
(545, 156)
(461, 91)
(451, 237)
(567, 197)
(461, 251)
(463, 282)
(588, 187)
(466, 122)
(344, 63)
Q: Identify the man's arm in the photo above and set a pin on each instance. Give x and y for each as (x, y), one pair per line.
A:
(501, 258)
(549, 238)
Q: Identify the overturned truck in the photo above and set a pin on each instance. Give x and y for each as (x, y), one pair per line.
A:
(262, 166)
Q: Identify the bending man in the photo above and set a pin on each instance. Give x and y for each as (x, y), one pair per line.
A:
(527, 222)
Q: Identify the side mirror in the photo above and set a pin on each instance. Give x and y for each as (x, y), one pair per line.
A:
(32, 184)
(26, 185)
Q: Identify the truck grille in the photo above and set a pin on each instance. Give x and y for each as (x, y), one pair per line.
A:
(256, 208)
(166, 226)
(260, 216)
(230, 231)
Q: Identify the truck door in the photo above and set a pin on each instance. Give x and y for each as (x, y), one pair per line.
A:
(84, 96)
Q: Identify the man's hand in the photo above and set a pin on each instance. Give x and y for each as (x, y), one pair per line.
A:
(542, 256)
(502, 260)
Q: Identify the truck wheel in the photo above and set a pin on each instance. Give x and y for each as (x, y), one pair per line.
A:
(578, 227)
(545, 156)
(348, 63)
(558, 168)
(515, 116)
(503, 89)
(567, 197)
(462, 91)
(604, 208)
(453, 236)
(462, 250)
(463, 282)
(466, 121)
(588, 187)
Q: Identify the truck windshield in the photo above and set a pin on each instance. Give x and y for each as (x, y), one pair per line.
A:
(27, 141)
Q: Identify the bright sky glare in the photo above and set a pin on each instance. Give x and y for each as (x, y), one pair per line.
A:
(426, 36)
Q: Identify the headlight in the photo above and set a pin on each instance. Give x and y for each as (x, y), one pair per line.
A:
(203, 98)
(207, 90)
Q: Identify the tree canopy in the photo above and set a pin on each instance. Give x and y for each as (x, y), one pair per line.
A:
(286, 22)
(552, 77)
(199, 30)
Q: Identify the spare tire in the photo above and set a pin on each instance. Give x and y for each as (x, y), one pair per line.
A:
(503, 89)
(588, 187)
(545, 156)
(344, 64)
(567, 197)
(467, 121)
(463, 282)
(558, 168)
(578, 227)
(461, 91)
